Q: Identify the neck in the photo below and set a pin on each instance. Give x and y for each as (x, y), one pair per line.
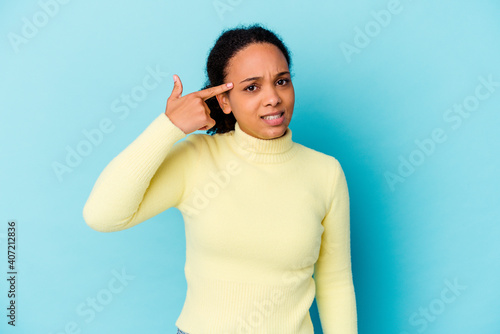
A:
(263, 150)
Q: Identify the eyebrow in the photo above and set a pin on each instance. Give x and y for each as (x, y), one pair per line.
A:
(255, 78)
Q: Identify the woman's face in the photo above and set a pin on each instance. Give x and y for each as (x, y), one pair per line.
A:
(262, 86)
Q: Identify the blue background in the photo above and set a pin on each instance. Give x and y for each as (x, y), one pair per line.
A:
(425, 250)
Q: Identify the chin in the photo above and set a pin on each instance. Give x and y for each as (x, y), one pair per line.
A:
(276, 132)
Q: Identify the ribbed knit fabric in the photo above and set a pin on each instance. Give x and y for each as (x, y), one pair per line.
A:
(261, 217)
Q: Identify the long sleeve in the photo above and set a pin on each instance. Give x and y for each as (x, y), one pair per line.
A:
(335, 294)
(145, 179)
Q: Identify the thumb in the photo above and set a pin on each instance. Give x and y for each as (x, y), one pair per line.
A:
(177, 90)
(211, 124)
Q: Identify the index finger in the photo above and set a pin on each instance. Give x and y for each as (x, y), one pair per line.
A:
(205, 94)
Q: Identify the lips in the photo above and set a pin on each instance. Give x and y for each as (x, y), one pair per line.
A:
(273, 114)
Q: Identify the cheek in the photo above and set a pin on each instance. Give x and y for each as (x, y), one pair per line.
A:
(249, 103)
(243, 104)
(290, 96)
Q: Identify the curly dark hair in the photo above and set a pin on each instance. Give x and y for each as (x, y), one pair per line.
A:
(227, 45)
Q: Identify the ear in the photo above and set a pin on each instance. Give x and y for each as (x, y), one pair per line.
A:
(223, 100)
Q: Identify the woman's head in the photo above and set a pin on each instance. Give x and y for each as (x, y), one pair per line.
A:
(259, 64)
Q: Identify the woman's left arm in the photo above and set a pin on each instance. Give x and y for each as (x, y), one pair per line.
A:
(335, 295)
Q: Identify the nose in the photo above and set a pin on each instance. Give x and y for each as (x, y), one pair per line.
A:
(271, 97)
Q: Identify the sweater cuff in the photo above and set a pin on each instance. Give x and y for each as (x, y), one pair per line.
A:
(167, 123)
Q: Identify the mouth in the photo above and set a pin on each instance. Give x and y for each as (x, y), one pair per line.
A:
(274, 119)
(272, 116)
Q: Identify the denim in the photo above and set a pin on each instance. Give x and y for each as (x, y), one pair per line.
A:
(180, 332)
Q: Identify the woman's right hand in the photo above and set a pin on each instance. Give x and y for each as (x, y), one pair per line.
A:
(190, 112)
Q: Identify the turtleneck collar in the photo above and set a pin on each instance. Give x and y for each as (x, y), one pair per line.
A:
(263, 150)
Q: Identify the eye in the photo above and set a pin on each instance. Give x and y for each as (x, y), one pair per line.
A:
(250, 90)
(284, 80)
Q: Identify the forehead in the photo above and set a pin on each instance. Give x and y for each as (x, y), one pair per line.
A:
(255, 60)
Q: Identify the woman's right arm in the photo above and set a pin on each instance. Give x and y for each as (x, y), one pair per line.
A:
(120, 197)
(150, 175)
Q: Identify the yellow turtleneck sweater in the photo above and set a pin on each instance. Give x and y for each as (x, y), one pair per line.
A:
(261, 217)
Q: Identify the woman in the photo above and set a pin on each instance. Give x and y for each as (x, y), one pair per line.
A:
(262, 213)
